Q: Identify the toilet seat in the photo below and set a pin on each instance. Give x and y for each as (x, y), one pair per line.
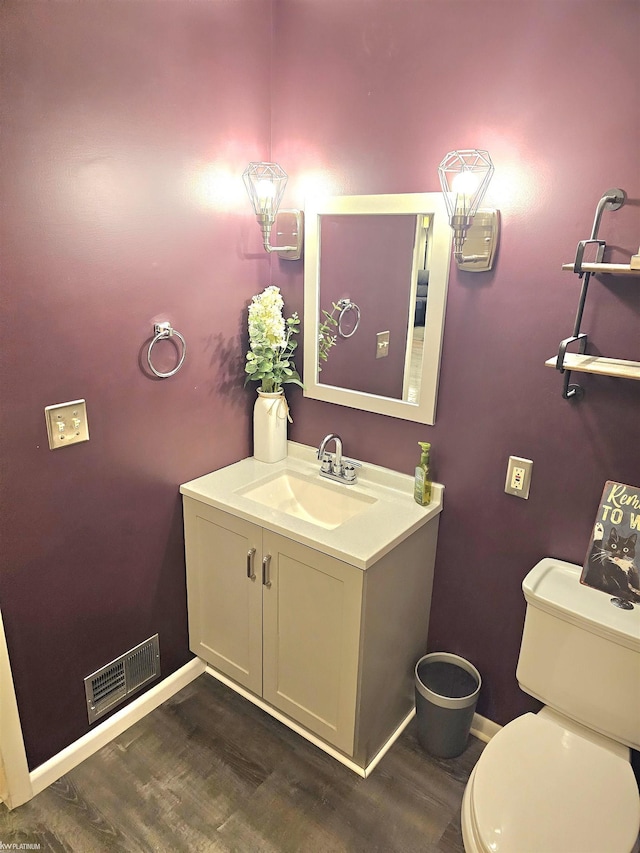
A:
(539, 787)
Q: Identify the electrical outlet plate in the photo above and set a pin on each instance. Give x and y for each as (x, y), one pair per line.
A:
(518, 480)
(67, 423)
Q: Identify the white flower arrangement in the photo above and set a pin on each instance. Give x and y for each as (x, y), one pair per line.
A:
(271, 344)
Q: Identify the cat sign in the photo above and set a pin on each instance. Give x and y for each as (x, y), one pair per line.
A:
(611, 564)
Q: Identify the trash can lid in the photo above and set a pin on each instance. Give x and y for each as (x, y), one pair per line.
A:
(535, 787)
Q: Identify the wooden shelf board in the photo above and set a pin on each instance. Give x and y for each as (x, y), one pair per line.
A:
(611, 269)
(602, 366)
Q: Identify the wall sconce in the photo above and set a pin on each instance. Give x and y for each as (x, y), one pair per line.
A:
(265, 183)
(464, 177)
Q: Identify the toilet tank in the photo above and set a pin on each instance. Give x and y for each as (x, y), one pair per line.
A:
(580, 654)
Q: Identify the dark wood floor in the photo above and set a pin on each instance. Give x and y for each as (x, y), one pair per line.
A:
(208, 771)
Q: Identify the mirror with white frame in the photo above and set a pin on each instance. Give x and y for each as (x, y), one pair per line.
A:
(375, 290)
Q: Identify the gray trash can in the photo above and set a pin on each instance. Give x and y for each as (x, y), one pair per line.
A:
(446, 688)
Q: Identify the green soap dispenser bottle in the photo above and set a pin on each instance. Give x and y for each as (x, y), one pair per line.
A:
(422, 487)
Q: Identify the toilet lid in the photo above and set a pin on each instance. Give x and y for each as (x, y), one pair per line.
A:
(541, 788)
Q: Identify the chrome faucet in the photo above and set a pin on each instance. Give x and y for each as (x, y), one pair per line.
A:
(334, 466)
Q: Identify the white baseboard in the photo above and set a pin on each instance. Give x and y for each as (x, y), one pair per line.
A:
(389, 743)
(307, 735)
(483, 728)
(102, 734)
(273, 712)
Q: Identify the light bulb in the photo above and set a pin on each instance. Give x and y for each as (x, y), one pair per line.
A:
(265, 190)
(465, 183)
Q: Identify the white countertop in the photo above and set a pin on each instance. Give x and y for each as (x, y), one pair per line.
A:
(359, 541)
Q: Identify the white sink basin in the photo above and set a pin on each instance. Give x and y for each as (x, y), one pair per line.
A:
(358, 523)
(311, 500)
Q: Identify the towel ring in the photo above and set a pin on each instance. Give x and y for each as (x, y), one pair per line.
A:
(345, 306)
(164, 330)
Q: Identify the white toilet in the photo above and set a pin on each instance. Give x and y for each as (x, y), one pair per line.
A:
(560, 781)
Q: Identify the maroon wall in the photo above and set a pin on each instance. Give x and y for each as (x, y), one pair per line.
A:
(368, 97)
(121, 123)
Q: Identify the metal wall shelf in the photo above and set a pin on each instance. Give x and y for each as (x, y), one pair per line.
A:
(566, 362)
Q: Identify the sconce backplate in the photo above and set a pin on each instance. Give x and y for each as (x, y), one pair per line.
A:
(481, 242)
(288, 230)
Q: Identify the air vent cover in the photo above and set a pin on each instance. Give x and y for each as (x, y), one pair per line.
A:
(110, 685)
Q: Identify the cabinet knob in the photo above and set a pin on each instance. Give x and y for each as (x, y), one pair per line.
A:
(250, 572)
(266, 564)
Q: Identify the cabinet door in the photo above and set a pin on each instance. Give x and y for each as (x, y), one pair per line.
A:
(311, 639)
(225, 604)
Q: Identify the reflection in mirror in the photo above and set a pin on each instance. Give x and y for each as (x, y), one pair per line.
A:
(358, 252)
(376, 272)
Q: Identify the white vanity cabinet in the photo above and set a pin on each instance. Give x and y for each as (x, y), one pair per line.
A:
(277, 617)
(327, 644)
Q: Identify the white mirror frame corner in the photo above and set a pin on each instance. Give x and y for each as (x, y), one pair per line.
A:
(424, 411)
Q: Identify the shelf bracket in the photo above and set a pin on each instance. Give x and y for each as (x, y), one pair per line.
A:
(577, 264)
(570, 391)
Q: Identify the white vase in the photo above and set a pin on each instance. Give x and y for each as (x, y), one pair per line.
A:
(270, 427)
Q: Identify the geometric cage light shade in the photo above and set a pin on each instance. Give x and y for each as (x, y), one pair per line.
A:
(265, 184)
(464, 177)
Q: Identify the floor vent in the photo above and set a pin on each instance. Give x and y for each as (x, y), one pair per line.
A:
(110, 685)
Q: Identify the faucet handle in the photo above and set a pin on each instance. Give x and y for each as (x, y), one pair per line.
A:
(349, 472)
(327, 459)
(351, 462)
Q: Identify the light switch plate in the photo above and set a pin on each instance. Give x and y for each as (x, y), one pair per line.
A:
(518, 480)
(67, 423)
(382, 344)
